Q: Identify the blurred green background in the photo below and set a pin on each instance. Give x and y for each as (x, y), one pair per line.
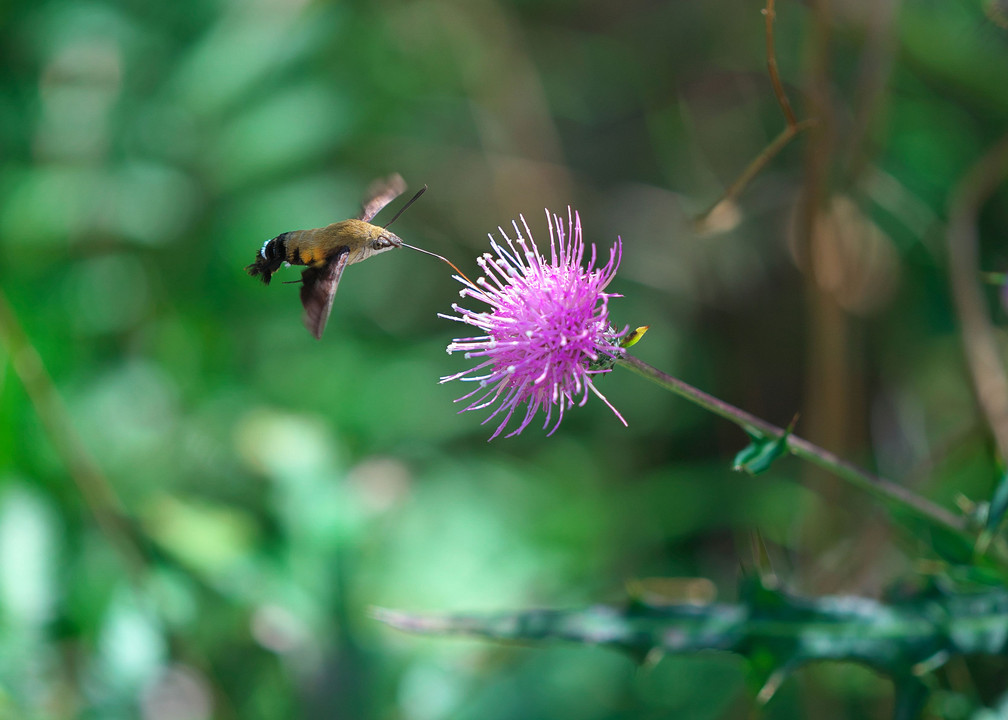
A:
(272, 488)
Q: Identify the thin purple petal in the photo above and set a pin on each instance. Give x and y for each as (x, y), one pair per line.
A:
(547, 321)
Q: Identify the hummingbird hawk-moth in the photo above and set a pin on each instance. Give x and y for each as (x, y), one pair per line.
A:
(327, 251)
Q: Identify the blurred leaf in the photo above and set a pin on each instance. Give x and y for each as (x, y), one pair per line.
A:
(247, 45)
(205, 538)
(966, 58)
(49, 205)
(287, 130)
(131, 647)
(111, 293)
(28, 555)
(998, 711)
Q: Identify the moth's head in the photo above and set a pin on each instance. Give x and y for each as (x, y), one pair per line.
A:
(386, 240)
(378, 240)
(381, 239)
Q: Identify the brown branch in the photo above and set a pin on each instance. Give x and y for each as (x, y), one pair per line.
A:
(794, 127)
(771, 60)
(983, 356)
(98, 494)
(752, 170)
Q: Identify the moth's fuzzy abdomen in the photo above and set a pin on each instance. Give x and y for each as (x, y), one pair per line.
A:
(270, 258)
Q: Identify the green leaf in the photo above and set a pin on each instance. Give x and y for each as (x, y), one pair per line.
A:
(762, 450)
(634, 336)
(998, 504)
(951, 546)
(910, 697)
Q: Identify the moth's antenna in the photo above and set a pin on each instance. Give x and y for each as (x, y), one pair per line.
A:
(412, 200)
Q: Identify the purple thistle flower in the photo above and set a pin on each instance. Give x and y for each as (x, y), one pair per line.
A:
(547, 330)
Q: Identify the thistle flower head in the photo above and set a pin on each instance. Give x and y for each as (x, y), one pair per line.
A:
(545, 333)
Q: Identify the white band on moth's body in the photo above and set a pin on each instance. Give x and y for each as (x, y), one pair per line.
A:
(262, 250)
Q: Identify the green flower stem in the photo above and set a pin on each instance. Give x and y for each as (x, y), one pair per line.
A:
(885, 489)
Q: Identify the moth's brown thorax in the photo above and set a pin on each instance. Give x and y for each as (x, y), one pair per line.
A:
(317, 246)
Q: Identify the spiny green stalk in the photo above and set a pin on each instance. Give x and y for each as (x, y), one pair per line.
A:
(903, 639)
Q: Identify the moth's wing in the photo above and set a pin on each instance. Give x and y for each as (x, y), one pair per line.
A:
(380, 194)
(318, 288)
